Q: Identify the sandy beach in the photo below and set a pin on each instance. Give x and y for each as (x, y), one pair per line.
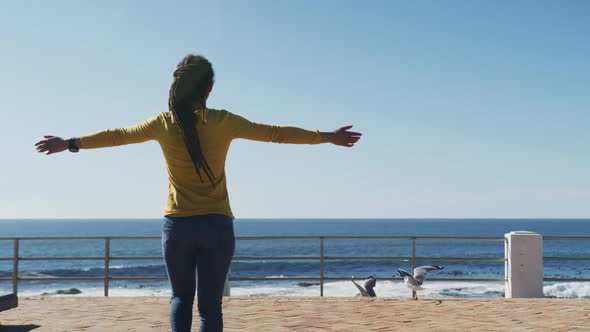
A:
(305, 314)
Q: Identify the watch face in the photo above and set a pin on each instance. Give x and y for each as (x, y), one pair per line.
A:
(72, 146)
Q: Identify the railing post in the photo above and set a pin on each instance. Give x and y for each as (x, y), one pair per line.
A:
(15, 266)
(226, 287)
(413, 261)
(322, 266)
(107, 257)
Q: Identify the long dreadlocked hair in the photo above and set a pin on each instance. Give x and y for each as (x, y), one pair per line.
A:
(192, 78)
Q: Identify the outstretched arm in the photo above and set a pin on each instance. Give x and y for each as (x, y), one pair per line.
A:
(111, 137)
(243, 128)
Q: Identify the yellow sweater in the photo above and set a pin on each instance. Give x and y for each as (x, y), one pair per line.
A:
(187, 195)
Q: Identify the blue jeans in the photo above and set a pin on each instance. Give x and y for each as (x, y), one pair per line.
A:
(206, 244)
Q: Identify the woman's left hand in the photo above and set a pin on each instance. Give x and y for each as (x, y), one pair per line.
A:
(51, 144)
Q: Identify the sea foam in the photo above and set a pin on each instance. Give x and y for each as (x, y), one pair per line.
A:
(389, 289)
(568, 289)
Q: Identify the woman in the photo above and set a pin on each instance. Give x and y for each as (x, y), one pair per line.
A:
(197, 231)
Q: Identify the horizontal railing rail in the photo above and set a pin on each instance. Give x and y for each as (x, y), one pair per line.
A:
(322, 258)
(257, 238)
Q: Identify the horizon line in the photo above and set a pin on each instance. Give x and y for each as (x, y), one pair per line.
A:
(316, 218)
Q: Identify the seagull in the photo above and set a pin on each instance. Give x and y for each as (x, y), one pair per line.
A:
(367, 290)
(415, 282)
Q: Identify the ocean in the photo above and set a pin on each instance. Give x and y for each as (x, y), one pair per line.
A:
(298, 227)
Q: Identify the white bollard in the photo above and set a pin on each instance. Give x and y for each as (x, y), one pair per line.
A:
(524, 264)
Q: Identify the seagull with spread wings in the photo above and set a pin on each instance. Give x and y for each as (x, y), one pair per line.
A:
(414, 282)
(367, 288)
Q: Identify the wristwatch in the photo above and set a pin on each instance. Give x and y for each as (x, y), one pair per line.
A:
(72, 145)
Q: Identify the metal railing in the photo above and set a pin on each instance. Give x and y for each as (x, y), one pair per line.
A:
(566, 238)
(322, 258)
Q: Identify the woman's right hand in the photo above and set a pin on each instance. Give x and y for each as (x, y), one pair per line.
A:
(51, 144)
(341, 137)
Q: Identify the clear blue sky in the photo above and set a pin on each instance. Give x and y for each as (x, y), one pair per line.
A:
(468, 108)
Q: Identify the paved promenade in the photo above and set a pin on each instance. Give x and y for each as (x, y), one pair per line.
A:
(304, 314)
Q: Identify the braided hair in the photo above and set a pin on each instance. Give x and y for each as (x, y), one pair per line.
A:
(192, 79)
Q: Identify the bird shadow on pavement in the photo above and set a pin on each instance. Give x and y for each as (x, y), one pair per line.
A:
(18, 328)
